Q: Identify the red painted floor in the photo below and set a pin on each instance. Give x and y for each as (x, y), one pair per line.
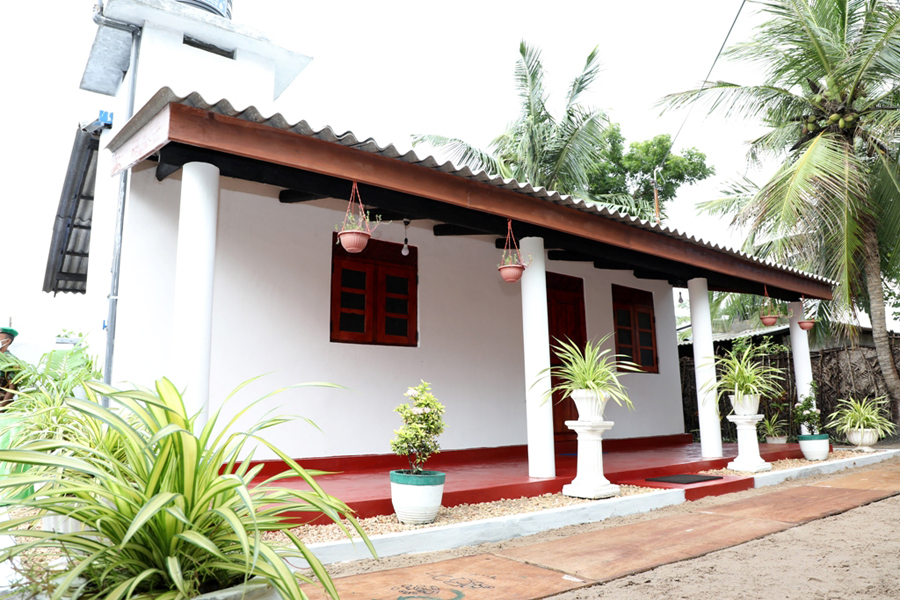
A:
(483, 479)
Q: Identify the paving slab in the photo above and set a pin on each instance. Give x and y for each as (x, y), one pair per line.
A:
(611, 553)
(481, 577)
(801, 504)
(882, 479)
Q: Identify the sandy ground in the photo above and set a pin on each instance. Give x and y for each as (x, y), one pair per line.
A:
(852, 555)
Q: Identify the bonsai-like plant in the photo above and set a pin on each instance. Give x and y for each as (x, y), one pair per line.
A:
(593, 369)
(868, 413)
(359, 222)
(806, 414)
(772, 426)
(422, 423)
(167, 507)
(742, 372)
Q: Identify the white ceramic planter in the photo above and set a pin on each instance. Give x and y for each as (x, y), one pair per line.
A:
(590, 405)
(748, 405)
(862, 439)
(417, 498)
(781, 439)
(814, 447)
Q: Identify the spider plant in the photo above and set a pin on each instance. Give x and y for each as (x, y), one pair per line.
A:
(168, 509)
(741, 373)
(592, 369)
(772, 426)
(868, 413)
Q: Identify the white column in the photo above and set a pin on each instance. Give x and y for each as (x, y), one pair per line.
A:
(704, 369)
(536, 343)
(194, 269)
(590, 482)
(800, 351)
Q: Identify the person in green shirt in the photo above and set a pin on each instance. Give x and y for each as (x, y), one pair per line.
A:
(7, 387)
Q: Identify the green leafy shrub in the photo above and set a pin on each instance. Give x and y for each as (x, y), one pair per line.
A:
(422, 423)
(593, 369)
(806, 414)
(167, 508)
(868, 413)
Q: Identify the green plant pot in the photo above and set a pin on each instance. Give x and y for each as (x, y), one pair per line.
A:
(814, 447)
(417, 498)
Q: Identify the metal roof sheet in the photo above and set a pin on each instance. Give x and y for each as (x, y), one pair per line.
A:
(349, 139)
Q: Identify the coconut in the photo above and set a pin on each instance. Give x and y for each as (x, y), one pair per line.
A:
(834, 118)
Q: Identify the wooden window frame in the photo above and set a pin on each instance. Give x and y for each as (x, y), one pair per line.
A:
(635, 302)
(379, 260)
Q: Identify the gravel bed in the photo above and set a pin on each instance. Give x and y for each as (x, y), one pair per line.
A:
(789, 463)
(446, 516)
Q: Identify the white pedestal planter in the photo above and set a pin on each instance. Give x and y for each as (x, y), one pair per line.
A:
(862, 439)
(748, 404)
(748, 458)
(589, 480)
(417, 498)
(590, 405)
(814, 447)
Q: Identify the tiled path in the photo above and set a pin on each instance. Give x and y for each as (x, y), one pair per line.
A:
(544, 569)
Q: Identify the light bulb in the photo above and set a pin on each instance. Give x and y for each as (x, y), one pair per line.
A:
(405, 250)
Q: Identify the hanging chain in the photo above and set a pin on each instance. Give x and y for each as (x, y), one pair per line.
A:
(511, 242)
(354, 195)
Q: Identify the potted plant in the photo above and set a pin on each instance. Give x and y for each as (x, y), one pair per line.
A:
(355, 231)
(813, 444)
(773, 429)
(743, 377)
(166, 507)
(589, 377)
(416, 493)
(511, 264)
(864, 421)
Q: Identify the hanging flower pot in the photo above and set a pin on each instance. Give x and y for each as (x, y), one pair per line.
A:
(806, 324)
(769, 317)
(511, 273)
(511, 264)
(356, 229)
(354, 242)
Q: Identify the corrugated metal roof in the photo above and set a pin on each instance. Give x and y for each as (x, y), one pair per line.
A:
(349, 139)
(67, 262)
(733, 335)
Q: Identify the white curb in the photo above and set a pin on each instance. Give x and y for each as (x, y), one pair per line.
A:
(776, 477)
(496, 529)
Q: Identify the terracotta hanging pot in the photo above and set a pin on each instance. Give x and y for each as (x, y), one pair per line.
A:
(806, 325)
(511, 264)
(768, 320)
(511, 273)
(354, 241)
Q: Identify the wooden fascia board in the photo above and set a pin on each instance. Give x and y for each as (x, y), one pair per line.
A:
(144, 143)
(213, 131)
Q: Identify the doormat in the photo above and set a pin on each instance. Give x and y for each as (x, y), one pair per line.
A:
(684, 479)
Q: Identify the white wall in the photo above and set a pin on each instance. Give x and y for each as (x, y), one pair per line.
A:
(165, 60)
(271, 315)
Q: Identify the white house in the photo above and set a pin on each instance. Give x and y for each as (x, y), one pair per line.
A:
(229, 266)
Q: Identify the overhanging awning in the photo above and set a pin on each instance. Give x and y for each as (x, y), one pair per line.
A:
(67, 263)
(311, 164)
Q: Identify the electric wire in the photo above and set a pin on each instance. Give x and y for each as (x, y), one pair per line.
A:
(705, 82)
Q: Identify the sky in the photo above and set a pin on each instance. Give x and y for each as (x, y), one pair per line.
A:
(384, 70)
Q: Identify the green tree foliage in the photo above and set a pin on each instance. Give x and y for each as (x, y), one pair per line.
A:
(631, 173)
(555, 152)
(422, 424)
(830, 97)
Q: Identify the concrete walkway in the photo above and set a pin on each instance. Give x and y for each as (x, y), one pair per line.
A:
(547, 568)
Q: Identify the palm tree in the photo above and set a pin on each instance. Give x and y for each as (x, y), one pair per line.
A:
(831, 101)
(555, 153)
